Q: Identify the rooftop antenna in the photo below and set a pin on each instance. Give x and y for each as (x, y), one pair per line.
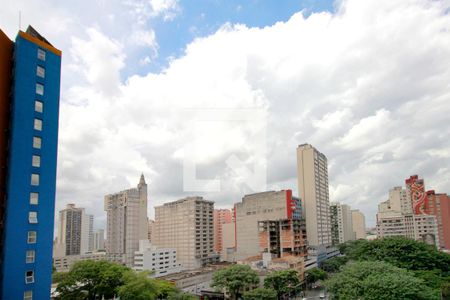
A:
(20, 20)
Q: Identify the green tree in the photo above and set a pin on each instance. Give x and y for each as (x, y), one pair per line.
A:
(57, 277)
(282, 282)
(371, 280)
(399, 251)
(138, 287)
(182, 296)
(315, 274)
(334, 264)
(260, 294)
(91, 279)
(235, 279)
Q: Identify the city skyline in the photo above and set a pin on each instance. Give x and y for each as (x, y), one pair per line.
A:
(350, 96)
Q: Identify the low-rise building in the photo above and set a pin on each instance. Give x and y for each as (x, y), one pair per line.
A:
(160, 261)
(64, 263)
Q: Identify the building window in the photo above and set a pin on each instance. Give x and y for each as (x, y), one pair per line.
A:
(38, 106)
(32, 217)
(39, 89)
(28, 295)
(38, 124)
(37, 142)
(34, 198)
(40, 71)
(35, 179)
(30, 256)
(36, 162)
(29, 277)
(41, 54)
(32, 237)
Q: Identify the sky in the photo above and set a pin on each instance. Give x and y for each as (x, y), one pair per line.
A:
(212, 97)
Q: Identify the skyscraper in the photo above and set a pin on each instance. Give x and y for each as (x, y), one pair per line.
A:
(187, 226)
(221, 216)
(29, 112)
(126, 223)
(75, 231)
(312, 172)
(359, 224)
(99, 240)
(341, 223)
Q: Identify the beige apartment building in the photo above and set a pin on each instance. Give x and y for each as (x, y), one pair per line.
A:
(75, 234)
(341, 223)
(359, 224)
(312, 172)
(126, 223)
(187, 225)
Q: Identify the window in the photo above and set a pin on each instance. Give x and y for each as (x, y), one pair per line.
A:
(32, 236)
(38, 124)
(32, 217)
(30, 256)
(37, 142)
(38, 106)
(29, 277)
(28, 295)
(34, 198)
(41, 54)
(35, 179)
(39, 89)
(40, 71)
(36, 161)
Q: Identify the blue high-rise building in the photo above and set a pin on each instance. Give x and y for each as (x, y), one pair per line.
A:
(30, 71)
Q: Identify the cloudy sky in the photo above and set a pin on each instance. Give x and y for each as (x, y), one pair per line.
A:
(227, 89)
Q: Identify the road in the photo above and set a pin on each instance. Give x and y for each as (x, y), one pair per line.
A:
(313, 294)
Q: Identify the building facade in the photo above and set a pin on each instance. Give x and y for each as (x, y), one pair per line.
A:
(126, 223)
(99, 240)
(341, 223)
(265, 206)
(75, 231)
(64, 263)
(439, 206)
(29, 107)
(221, 216)
(187, 226)
(312, 172)
(359, 224)
(160, 261)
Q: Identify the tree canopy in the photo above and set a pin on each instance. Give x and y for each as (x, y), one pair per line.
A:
(282, 282)
(315, 274)
(235, 279)
(260, 294)
(372, 280)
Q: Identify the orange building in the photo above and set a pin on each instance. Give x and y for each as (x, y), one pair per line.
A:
(221, 216)
(439, 205)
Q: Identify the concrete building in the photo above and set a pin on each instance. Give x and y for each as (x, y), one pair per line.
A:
(341, 223)
(439, 206)
(30, 70)
(359, 224)
(394, 217)
(64, 263)
(312, 172)
(161, 261)
(271, 205)
(75, 231)
(187, 226)
(221, 216)
(99, 240)
(126, 223)
(228, 242)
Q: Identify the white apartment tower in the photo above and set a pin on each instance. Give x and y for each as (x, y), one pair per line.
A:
(99, 240)
(126, 223)
(341, 223)
(187, 226)
(312, 171)
(75, 231)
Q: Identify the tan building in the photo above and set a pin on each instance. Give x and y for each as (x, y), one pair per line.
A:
(271, 205)
(151, 225)
(228, 242)
(187, 226)
(359, 224)
(75, 232)
(312, 171)
(341, 223)
(126, 223)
